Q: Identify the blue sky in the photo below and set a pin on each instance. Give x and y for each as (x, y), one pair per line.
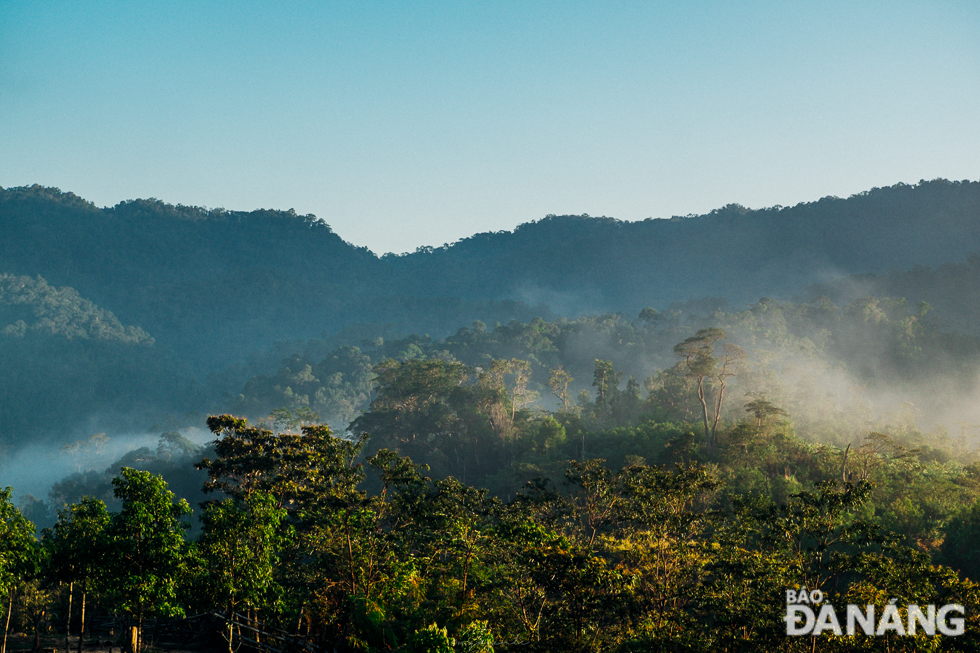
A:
(407, 124)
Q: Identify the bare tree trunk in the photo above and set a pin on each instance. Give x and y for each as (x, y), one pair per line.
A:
(704, 415)
(134, 639)
(71, 588)
(717, 416)
(6, 626)
(37, 618)
(231, 627)
(81, 632)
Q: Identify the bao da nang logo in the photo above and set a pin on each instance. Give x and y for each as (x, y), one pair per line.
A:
(807, 614)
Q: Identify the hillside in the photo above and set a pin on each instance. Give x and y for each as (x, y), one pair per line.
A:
(580, 263)
(221, 296)
(66, 361)
(952, 289)
(216, 284)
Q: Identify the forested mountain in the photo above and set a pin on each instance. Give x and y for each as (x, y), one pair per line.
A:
(579, 263)
(953, 289)
(211, 298)
(65, 360)
(215, 285)
(548, 476)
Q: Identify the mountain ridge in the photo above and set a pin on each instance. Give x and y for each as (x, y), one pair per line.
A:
(216, 284)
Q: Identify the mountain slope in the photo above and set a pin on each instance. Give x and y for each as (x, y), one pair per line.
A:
(213, 286)
(742, 254)
(66, 361)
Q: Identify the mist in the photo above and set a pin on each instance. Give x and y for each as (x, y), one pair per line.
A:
(33, 469)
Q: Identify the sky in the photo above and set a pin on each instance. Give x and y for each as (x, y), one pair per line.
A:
(408, 124)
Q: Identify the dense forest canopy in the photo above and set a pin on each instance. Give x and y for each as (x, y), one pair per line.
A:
(953, 289)
(608, 530)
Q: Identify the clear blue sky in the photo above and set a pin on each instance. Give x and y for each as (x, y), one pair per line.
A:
(417, 123)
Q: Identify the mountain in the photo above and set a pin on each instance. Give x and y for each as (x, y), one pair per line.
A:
(66, 361)
(150, 310)
(952, 289)
(214, 286)
(598, 264)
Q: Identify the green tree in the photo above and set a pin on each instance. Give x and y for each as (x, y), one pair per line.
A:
(559, 381)
(78, 550)
(698, 361)
(762, 409)
(18, 554)
(412, 409)
(148, 551)
(294, 468)
(238, 548)
(606, 382)
(432, 639)
(697, 355)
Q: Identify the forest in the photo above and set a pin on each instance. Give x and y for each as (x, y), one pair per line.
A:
(458, 471)
(458, 512)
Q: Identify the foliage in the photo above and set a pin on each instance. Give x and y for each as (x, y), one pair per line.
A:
(78, 542)
(147, 545)
(17, 546)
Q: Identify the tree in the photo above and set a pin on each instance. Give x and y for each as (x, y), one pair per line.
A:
(520, 395)
(650, 315)
(413, 410)
(148, 550)
(699, 362)
(606, 382)
(559, 382)
(246, 457)
(292, 467)
(239, 552)
(77, 544)
(730, 365)
(698, 359)
(762, 409)
(18, 553)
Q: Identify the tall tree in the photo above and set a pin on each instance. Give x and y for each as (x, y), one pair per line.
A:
(417, 412)
(700, 364)
(606, 382)
(148, 547)
(559, 381)
(78, 555)
(238, 547)
(728, 367)
(18, 554)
